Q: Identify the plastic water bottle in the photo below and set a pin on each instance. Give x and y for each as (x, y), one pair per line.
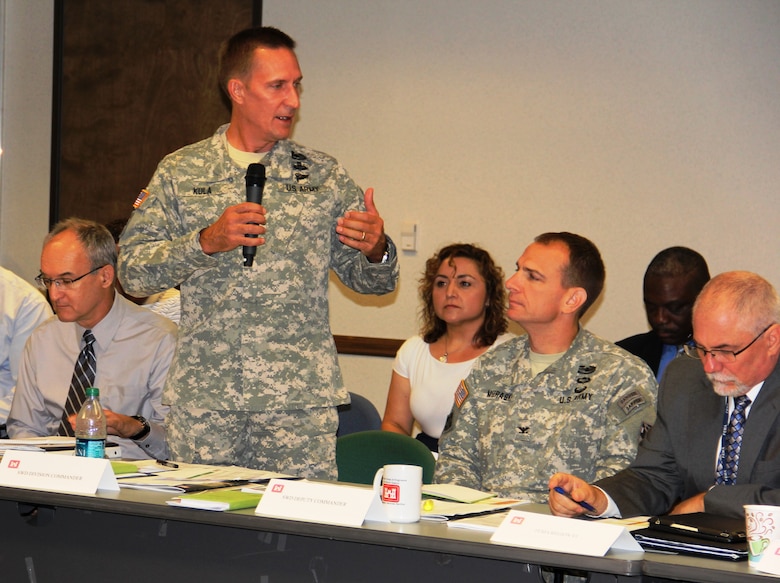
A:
(91, 427)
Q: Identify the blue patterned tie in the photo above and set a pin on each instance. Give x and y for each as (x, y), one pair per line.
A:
(728, 461)
(83, 378)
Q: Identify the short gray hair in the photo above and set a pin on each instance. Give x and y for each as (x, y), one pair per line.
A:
(96, 238)
(747, 294)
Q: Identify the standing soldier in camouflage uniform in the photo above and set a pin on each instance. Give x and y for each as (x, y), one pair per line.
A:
(255, 380)
(555, 399)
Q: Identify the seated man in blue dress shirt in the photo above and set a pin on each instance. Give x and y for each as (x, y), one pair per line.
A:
(672, 281)
(133, 346)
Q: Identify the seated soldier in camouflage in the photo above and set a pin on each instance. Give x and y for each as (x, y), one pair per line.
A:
(557, 399)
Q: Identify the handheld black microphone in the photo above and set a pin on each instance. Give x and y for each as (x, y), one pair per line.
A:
(255, 182)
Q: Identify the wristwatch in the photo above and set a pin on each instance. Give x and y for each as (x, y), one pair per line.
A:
(144, 430)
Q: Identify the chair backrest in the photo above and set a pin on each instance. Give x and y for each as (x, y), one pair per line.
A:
(360, 455)
(359, 415)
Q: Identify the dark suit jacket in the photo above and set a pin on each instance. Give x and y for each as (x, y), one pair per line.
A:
(647, 346)
(678, 457)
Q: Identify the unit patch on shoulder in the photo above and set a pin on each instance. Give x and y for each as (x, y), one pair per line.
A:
(461, 394)
(630, 402)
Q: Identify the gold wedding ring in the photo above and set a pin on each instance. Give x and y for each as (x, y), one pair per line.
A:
(363, 238)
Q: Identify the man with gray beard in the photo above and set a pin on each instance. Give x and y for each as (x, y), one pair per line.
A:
(715, 445)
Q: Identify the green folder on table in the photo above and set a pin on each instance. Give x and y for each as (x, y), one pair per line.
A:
(219, 500)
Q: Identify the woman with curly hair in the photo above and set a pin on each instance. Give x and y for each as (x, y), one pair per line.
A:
(463, 314)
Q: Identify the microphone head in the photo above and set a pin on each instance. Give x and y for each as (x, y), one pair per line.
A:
(255, 174)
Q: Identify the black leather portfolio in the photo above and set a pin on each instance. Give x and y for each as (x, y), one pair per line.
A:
(701, 534)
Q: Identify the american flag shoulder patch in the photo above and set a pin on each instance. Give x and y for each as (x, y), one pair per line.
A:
(461, 393)
(140, 198)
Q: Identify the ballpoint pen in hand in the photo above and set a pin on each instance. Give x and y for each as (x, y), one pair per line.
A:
(585, 505)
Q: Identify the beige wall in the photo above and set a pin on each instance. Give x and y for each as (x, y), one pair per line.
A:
(27, 40)
(638, 124)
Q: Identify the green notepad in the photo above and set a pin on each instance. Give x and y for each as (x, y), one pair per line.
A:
(219, 500)
(123, 468)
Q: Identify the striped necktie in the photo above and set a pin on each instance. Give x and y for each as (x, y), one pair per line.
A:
(83, 378)
(728, 461)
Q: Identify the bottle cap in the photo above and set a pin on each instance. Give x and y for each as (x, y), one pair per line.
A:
(92, 392)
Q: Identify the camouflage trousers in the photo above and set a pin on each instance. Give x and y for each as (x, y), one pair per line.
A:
(299, 442)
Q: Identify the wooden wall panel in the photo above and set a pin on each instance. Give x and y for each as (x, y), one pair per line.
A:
(134, 80)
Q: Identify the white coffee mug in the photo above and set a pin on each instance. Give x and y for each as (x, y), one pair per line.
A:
(400, 488)
(762, 526)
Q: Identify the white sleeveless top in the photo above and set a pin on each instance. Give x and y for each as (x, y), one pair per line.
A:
(433, 382)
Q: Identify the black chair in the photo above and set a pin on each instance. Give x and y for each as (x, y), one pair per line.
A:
(359, 415)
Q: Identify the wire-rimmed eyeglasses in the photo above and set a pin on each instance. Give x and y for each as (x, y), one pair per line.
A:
(719, 355)
(61, 282)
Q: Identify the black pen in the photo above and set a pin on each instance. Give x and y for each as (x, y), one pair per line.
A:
(168, 464)
(585, 505)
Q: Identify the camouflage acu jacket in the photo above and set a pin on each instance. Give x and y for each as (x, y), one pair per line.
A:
(252, 338)
(584, 414)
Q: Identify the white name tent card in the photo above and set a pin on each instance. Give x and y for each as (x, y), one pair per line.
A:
(563, 535)
(377, 511)
(315, 502)
(56, 473)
